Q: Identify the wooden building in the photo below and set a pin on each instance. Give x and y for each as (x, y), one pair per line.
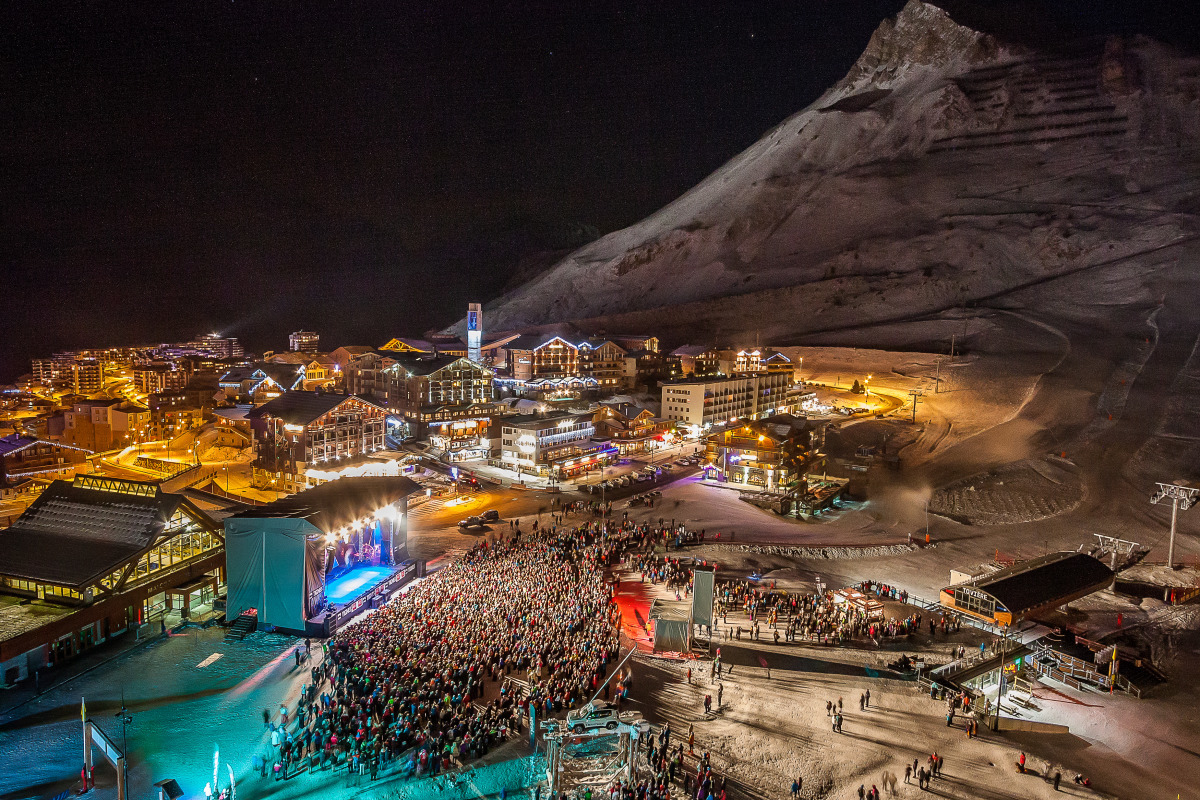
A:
(302, 429)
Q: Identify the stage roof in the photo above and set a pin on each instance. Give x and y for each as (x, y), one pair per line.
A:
(336, 503)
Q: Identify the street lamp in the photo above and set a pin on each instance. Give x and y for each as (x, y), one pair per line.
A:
(1181, 497)
(124, 719)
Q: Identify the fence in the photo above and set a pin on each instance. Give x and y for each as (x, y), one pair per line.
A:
(170, 468)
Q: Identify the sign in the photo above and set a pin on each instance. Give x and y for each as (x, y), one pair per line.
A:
(967, 591)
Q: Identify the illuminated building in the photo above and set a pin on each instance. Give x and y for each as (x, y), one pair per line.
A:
(604, 362)
(303, 341)
(551, 366)
(474, 331)
(558, 444)
(320, 429)
(172, 412)
(88, 376)
(699, 361)
(493, 349)
(1028, 588)
(446, 400)
(364, 376)
(260, 382)
(217, 345)
(637, 342)
(93, 559)
(22, 459)
(646, 368)
(774, 453)
(717, 400)
(159, 376)
(629, 428)
(341, 357)
(100, 425)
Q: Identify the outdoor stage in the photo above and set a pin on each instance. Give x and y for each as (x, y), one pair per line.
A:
(359, 588)
(358, 580)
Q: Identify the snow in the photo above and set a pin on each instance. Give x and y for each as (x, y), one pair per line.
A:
(190, 695)
(835, 219)
(1063, 271)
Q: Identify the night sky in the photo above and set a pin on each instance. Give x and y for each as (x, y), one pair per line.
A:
(360, 169)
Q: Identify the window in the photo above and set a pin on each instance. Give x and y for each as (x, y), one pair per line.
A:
(974, 601)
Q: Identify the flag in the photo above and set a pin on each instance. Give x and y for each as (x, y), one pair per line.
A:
(82, 710)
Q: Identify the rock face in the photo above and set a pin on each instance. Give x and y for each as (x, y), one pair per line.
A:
(946, 169)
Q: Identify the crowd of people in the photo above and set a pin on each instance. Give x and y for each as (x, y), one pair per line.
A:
(447, 670)
(423, 679)
(821, 618)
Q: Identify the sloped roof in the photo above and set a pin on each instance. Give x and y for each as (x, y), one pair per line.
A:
(300, 408)
(14, 442)
(336, 503)
(416, 344)
(283, 374)
(1046, 581)
(536, 421)
(290, 357)
(426, 365)
(77, 532)
(237, 374)
(534, 339)
(626, 410)
(596, 344)
(692, 350)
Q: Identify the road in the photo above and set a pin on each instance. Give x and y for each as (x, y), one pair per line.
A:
(433, 526)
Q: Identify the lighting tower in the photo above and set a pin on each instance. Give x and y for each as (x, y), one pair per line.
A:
(1181, 497)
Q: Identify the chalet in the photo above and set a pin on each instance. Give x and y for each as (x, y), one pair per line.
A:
(23, 459)
(629, 428)
(299, 430)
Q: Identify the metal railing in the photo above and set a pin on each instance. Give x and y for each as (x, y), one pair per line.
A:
(1077, 673)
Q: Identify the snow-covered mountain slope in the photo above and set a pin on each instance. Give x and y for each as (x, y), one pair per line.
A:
(946, 168)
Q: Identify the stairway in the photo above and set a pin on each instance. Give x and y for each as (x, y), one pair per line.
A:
(243, 626)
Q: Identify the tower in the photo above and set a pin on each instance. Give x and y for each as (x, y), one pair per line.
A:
(474, 332)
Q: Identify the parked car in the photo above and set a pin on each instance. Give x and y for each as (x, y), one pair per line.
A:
(491, 515)
(471, 522)
(596, 714)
